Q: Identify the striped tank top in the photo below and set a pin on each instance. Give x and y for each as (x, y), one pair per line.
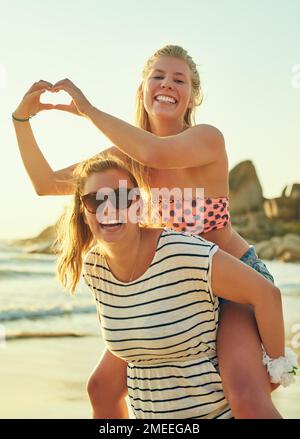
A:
(164, 325)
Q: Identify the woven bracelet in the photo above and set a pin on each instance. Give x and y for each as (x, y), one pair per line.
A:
(21, 120)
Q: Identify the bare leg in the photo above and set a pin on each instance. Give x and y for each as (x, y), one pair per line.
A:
(107, 388)
(245, 379)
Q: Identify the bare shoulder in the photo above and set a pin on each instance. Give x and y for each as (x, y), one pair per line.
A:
(210, 132)
(213, 140)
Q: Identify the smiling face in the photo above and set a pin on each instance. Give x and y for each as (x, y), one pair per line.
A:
(110, 223)
(167, 90)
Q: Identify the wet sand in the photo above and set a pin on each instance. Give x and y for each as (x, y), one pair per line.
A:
(46, 378)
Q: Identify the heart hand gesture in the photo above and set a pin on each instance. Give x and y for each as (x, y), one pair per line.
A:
(79, 104)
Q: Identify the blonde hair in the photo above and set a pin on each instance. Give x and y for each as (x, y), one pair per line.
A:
(74, 237)
(141, 115)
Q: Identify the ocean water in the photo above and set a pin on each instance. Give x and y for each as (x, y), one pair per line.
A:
(34, 304)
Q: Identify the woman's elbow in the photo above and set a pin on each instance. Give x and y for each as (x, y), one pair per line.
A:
(270, 296)
(274, 296)
(40, 192)
(277, 295)
(44, 189)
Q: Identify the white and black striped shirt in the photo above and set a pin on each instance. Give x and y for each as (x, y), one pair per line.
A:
(164, 325)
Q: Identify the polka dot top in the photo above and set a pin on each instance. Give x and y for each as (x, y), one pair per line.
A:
(196, 216)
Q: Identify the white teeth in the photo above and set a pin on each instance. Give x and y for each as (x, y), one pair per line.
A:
(111, 222)
(163, 98)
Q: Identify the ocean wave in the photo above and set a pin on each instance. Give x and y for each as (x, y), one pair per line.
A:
(58, 311)
(18, 258)
(13, 272)
(18, 261)
(59, 334)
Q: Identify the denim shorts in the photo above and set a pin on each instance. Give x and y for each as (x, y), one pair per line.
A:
(250, 258)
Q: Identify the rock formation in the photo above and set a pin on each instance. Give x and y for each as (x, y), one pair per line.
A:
(246, 193)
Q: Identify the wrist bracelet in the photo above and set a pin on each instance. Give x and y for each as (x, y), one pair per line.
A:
(21, 120)
(282, 370)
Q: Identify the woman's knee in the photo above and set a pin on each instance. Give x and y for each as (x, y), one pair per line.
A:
(100, 388)
(95, 387)
(247, 401)
(108, 381)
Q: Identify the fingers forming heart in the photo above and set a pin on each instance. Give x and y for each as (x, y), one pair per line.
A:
(55, 98)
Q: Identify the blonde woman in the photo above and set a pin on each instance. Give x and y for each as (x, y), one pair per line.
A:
(155, 292)
(166, 149)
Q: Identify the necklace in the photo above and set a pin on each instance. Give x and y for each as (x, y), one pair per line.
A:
(135, 260)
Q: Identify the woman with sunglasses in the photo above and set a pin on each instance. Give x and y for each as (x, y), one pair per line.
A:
(155, 291)
(166, 149)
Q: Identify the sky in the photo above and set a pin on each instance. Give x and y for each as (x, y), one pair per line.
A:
(248, 56)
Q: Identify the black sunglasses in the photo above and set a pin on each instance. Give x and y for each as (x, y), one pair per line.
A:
(119, 199)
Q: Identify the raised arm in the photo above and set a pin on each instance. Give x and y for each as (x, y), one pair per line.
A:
(235, 281)
(44, 179)
(196, 146)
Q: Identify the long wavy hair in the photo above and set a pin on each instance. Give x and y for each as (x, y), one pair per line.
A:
(74, 237)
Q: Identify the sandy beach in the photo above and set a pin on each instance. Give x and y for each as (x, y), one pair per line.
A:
(46, 378)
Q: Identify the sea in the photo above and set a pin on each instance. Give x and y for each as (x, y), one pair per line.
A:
(34, 304)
